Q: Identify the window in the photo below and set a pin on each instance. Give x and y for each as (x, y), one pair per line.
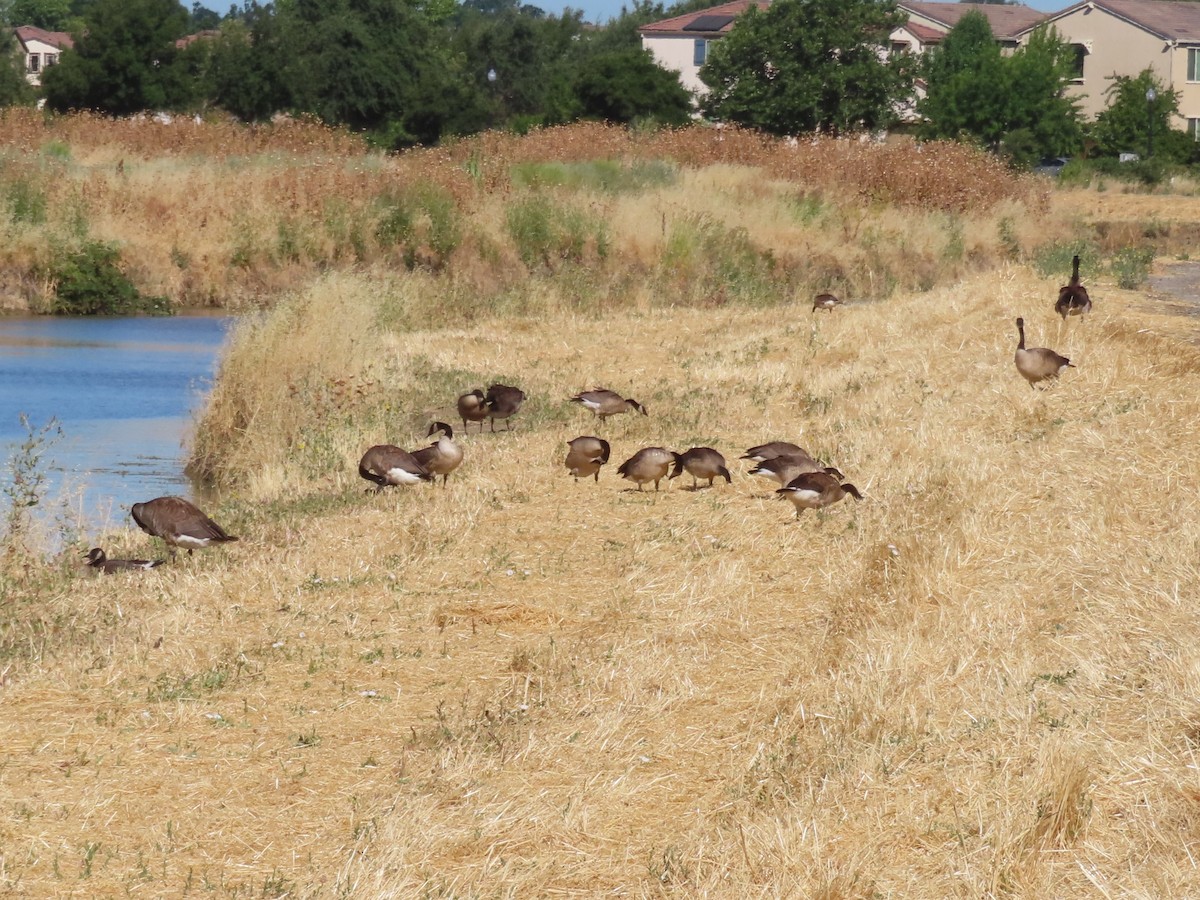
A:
(51, 59)
(1193, 64)
(898, 49)
(1193, 129)
(700, 52)
(34, 62)
(1080, 53)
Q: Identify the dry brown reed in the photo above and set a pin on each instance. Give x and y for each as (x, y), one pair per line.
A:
(980, 681)
(218, 214)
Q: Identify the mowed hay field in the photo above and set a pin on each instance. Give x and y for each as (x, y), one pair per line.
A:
(979, 681)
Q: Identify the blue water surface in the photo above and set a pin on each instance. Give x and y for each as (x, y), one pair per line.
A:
(123, 391)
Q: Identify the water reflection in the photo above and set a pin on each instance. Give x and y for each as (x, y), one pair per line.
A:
(123, 391)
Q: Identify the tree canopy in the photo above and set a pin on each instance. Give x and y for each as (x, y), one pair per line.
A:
(975, 92)
(125, 61)
(1126, 124)
(808, 65)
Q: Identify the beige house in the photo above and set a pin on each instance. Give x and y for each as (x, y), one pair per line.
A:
(41, 49)
(681, 43)
(1123, 37)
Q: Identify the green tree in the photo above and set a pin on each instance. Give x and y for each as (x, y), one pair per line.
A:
(808, 65)
(125, 61)
(14, 89)
(621, 86)
(1125, 124)
(374, 65)
(975, 93)
(53, 15)
(245, 66)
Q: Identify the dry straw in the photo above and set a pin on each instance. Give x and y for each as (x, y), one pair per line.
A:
(979, 681)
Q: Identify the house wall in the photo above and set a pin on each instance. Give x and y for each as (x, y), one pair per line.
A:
(1189, 91)
(1117, 47)
(41, 50)
(678, 55)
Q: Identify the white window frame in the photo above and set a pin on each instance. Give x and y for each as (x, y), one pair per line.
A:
(1193, 65)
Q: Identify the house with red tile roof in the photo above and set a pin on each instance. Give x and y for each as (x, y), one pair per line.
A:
(681, 43)
(1125, 37)
(41, 49)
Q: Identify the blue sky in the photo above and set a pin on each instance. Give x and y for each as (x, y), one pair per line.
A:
(601, 11)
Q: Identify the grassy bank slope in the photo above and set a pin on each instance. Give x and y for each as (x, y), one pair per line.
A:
(980, 681)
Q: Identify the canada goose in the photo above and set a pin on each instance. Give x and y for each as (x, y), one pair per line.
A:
(385, 464)
(648, 464)
(605, 403)
(503, 401)
(787, 467)
(825, 301)
(702, 462)
(472, 407)
(586, 456)
(441, 457)
(1037, 364)
(98, 559)
(179, 523)
(1073, 299)
(814, 490)
(772, 449)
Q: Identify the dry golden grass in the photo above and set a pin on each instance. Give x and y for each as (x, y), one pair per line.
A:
(216, 214)
(978, 682)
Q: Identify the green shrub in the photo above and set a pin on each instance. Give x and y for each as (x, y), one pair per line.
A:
(89, 282)
(423, 223)
(545, 233)
(606, 175)
(1055, 259)
(1131, 266)
(25, 202)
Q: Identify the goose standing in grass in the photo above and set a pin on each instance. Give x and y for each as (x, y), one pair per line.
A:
(701, 462)
(825, 301)
(605, 403)
(772, 449)
(1037, 364)
(786, 467)
(472, 407)
(586, 455)
(386, 464)
(99, 560)
(179, 523)
(815, 490)
(502, 402)
(441, 457)
(648, 464)
(1073, 299)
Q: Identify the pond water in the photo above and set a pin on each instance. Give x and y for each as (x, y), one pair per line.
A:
(123, 391)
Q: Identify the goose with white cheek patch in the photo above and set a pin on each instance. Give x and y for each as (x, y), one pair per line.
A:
(648, 464)
(1037, 364)
(99, 560)
(815, 490)
(179, 523)
(386, 465)
(441, 457)
(585, 456)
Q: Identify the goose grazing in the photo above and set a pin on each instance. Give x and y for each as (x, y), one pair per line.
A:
(1073, 299)
(1037, 364)
(503, 401)
(815, 490)
(385, 465)
(586, 456)
(98, 559)
(605, 403)
(787, 467)
(772, 449)
(179, 523)
(825, 301)
(472, 407)
(701, 462)
(648, 464)
(441, 457)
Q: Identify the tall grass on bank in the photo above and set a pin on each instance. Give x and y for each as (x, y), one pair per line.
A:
(979, 681)
(216, 214)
